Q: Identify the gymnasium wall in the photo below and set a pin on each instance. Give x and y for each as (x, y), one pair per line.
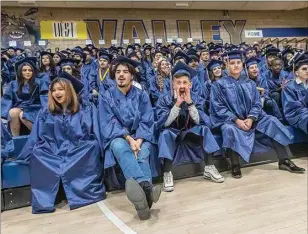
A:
(22, 24)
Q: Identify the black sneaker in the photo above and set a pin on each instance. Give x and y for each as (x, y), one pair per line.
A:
(137, 196)
(236, 171)
(152, 192)
(288, 165)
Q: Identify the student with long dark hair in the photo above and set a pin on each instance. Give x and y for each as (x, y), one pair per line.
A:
(22, 100)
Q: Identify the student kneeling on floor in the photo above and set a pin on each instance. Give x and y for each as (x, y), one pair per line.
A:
(184, 127)
(127, 123)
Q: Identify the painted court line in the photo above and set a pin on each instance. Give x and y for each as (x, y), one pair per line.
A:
(114, 219)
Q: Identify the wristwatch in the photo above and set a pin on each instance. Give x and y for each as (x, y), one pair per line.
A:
(190, 104)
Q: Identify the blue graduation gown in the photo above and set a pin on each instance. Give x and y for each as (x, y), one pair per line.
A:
(129, 114)
(271, 107)
(65, 147)
(88, 80)
(233, 99)
(7, 145)
(295, 105)
(174, 141)
(30, 103)
(202, 73)
(274, 83)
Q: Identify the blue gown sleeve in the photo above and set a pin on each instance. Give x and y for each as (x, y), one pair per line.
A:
(295, 111)
(110, 127)
(145, 129)
(163, 108)
(256, 109)
(7, 102)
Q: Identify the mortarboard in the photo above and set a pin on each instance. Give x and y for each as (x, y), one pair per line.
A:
(182, 68)
(214, 63)
(47, 53)
(123, 59)
(67, 62)
(252, 61)
(77, 84)
(235, 54)
(27, 60)
(181, 54)
(103, 54)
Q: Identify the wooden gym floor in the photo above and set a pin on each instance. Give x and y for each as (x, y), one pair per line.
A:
(265, 200)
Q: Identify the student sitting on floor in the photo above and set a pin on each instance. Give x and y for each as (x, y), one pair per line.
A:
(295, 97)
(185, 134)
(127, 126)
(236, 111)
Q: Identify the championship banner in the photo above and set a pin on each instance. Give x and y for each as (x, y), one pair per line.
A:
(63, 30)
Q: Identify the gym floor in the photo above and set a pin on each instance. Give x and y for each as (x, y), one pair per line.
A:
(265, 200)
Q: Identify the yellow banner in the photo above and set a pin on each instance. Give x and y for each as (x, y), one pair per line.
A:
(76, 30)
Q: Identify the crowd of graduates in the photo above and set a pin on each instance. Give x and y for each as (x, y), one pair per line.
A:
(130, 114)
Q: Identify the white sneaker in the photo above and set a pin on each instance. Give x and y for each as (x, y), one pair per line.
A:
(211, 173)
(168, 182)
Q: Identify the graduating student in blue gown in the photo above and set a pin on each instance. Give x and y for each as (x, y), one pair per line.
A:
(102, 73)
(269, 55)
(196, 85)
(215, 72)
(268, 104)
(157, 82)
(295, 97)
(23, 97)
(140, 76)
(236, 111)
(127, 126)
(276, 78)
(48, 67)
(196, 64)
(64, 147)
(184, 128)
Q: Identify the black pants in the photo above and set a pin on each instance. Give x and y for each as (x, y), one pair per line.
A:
(283, 152)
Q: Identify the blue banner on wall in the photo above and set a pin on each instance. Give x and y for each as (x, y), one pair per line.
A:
(284, 32)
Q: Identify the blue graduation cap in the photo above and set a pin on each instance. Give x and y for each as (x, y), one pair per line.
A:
(192, 52)
(181, 54)
(123, 59)
(287, 51)
(87, 49)
(235, 54)
(133, 54)
(105, 55)
(11, 48)
(272, 51)
(148, 47)
(47, 53)
(27, 60)
(77, 84)
(213, 51)
(252, 61)
(214, 63)
(299, 61)
(182, 68)
(78, 52)
(67, 62)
